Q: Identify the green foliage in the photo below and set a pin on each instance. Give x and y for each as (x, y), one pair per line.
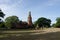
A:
(58, 19)
(2, 25)
(57, 25)
(57, 22)
(11, 20)
(43, 22)
(53, 25)
(2, 14)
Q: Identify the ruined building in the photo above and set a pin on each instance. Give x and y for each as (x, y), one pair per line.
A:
(30, 19)
(27, 24)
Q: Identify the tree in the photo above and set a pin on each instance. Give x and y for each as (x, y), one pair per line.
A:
(10, 21)
(2, 14)
(57, 22)
(2, 25)
(43, 22)
(53, 25)
(1, 21)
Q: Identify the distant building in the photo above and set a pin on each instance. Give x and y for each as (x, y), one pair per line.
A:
(29, 19)
(27, 24)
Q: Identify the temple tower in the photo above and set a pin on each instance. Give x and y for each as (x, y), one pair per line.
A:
(29, 19)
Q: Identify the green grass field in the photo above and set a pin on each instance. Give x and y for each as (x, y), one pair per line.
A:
(46, 34)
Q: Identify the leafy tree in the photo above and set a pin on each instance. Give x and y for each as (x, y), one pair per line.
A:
(2, 14)
(43, 22)
(1, 21)
(57, 22)
(53, 25)
(10, 21)
(2, 25)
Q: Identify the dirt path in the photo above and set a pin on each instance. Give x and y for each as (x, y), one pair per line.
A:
(48, 30)
(46, 34)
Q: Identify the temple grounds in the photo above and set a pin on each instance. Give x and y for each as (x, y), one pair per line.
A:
(45, 34)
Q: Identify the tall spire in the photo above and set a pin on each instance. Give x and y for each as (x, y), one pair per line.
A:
(29, 13)
(29, 19)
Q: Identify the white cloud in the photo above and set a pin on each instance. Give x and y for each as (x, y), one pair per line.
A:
(9, 9)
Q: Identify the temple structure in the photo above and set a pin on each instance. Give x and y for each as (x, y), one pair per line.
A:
(27, 24)
(29, 19)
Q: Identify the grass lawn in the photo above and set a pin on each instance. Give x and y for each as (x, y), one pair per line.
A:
(46, 34)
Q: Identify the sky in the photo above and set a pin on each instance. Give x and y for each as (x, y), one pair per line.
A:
(39, 8)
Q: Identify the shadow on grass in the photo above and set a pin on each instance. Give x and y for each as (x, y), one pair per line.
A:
(27, 36)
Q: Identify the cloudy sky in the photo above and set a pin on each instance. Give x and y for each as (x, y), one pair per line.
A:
(39, 8)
